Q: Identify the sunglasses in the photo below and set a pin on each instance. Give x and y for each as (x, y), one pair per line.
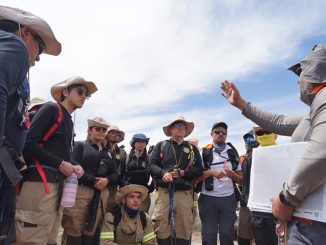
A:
(114, 133)
(82, 92)
(219, 132)
(41, 45)
(100, 129)
(179, 125)
(262, 132)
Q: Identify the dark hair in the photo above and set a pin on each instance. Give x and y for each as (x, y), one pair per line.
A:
(70, 88)
(9, 26)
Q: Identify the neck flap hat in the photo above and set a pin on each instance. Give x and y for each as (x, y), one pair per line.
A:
(35, 23)
(313, 65)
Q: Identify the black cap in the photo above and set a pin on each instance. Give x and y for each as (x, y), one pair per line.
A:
(249, 134)
(220, 124)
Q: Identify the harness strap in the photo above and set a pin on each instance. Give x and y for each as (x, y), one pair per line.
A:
(45, 139)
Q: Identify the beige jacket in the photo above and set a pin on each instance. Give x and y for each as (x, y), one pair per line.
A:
(310, 171)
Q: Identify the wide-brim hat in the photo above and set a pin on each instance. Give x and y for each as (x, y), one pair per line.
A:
(121, 135)
(313, 65)
(35, 102)
(257, 128)
(189, 126)
(122, 192)
(40, 26)
(97, 122)
(56, 90)
(141, 137)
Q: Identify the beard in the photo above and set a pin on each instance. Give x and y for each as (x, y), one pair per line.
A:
(305, 93)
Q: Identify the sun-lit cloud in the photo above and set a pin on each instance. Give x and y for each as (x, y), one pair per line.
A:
(148, 58)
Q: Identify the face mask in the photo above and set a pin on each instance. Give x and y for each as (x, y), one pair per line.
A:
(305, 93)
(266, 139)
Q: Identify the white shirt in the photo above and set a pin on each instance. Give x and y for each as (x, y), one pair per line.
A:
(224, 186)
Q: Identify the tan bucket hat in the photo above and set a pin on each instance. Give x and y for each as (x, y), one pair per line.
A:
(189, 126)
(56, 90)
(35, 101)
(97, 122)
(121, 133)
(122, 192)
(40, 26)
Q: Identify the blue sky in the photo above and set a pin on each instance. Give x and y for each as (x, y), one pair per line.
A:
(153, 60)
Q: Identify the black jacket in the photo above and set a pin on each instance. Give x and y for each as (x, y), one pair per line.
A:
(87, 154)
(55, 150)
(163, 160)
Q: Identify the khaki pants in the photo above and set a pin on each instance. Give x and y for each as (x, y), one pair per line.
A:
(74, 218)
(37, 217)
(183, 214)
(111, 203)
(245, 230)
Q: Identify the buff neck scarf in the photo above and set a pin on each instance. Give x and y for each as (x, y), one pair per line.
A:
(266, 139)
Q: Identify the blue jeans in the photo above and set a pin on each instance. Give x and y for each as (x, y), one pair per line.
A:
(300, 232)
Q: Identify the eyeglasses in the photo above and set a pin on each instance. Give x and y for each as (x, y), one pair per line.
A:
(100, 129)
(219, 132)
(262, 132)
(82, 92)
(41, 45)
(179, 125)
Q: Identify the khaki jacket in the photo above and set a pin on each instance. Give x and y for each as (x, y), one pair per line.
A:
(129, 231)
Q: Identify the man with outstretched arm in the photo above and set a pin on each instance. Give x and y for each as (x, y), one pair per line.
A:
(310, 171)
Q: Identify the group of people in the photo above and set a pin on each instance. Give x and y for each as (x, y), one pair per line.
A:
(37, 152)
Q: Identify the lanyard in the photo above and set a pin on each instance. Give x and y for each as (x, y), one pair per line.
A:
(175, 156)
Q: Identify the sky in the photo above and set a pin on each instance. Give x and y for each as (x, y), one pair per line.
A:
(154, 60)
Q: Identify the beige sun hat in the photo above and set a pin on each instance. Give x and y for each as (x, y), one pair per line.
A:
(40, 26)
(56, 90)
(121, 133)
(122, 192)
(97, 122)
(35, 101)
(189, 126)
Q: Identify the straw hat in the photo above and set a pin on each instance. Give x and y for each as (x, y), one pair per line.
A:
(189, 126)
(35, 102)
(56, 90)
(97, 122)
(121, 133)
(40, 26)
(122, 192)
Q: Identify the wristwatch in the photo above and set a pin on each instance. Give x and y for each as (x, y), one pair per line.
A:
(283, 200)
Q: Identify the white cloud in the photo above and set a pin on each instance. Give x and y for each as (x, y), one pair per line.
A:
(146, 56)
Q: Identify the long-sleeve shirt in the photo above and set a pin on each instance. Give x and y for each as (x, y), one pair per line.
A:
(14, 67)
(56, 149)
(310, 171)
(166, 156)
(88, 155)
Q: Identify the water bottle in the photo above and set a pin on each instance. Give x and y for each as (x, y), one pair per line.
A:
(69, 191)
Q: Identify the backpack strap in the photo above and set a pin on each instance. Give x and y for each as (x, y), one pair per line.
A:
(233, 156)
(44, 140)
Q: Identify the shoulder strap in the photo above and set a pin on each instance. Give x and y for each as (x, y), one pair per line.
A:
(233, 156)
(54, 126)
(45, 139)
(143, 219)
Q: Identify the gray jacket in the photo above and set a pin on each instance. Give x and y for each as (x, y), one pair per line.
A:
(310, 172)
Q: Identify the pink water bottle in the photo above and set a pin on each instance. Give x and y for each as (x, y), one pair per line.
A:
(69, 192)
